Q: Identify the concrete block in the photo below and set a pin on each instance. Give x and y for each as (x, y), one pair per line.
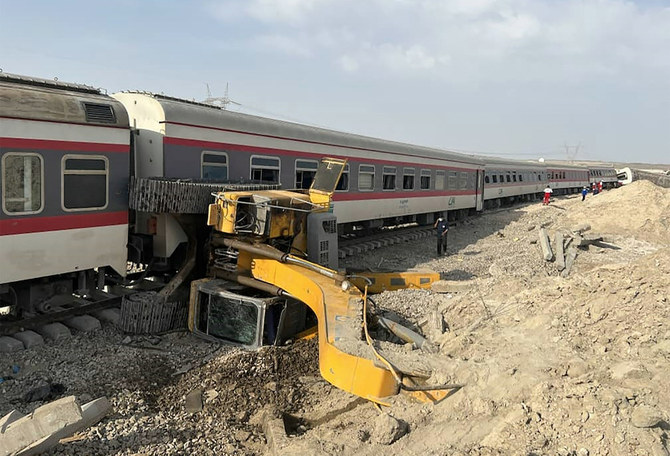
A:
(83, 323)
(111, 316)
(546, 246)
(451, 286)
(9, 344)
(39, 425)
(55, 331)
(560, 254)
(29, 338)
(9, 419)
(194, 401)
(91, 413)
(275, 433)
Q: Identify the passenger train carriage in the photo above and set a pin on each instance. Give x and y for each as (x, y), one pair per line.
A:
(68, 152)
(508, 180)
(383, 180)
(565, 179)
(64, 150)
(608, 176)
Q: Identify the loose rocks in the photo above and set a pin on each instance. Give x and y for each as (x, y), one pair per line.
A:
(387, 429)
(645, 417)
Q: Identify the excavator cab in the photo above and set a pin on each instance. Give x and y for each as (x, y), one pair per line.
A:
(228, 312)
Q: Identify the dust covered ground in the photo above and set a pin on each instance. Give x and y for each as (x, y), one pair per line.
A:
(550, 365)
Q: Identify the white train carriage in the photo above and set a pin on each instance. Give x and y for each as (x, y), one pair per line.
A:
(64, 150)
(565, 179)
(605, 174)
(383, 181)
(509, 180)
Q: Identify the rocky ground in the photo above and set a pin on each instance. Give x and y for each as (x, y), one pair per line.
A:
(573, 365)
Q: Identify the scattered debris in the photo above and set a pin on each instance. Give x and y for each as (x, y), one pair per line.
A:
(47, 425)
(193, 403)
(546, 246)
(387, 429)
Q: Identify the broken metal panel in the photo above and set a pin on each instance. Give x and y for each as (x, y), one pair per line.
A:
(180, 196)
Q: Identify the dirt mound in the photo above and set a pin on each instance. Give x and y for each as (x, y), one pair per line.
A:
(641, 209)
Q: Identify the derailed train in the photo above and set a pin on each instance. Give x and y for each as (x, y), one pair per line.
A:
(68, 153)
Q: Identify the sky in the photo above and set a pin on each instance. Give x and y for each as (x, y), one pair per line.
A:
(512, 78)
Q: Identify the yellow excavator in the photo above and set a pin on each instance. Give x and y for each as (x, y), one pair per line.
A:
(272, 253)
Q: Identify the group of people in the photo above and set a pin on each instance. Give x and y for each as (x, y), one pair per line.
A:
(596, 188)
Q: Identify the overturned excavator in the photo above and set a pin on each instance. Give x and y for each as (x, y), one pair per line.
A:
(273, 273)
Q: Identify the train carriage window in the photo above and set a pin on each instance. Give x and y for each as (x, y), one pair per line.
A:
(85, 184)
(343, 183)
(463, 181)
(388, 178)
(439, 180)
(408, 178)
(214, 165)
(521, 177)
(472, 181)
(304, 172)
(495, 178)
(453, 180)
(366, 178)
(265, 169)
(513, 176)
(502, 178)
(22, 183)
(509, 177)
(487, 179)
(425, 179)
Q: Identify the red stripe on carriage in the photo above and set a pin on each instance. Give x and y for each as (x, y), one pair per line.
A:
(27, 224)
(366, 196)
(46, 144)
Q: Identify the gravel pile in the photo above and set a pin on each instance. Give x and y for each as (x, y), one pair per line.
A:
(141, 377)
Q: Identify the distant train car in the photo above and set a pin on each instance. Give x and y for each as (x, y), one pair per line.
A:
(64, 150)
(384, 182)
(512, 180)
(565, 179)
(604, 174)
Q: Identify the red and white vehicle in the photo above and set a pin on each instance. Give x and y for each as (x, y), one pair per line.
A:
(509, 180)
(384, 182)
(64, 150)
(567, 178)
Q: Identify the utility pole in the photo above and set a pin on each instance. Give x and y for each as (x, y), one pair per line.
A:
(572, 151)
(221, 102)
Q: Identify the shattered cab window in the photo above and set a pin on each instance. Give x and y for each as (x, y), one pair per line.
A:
(232, 320)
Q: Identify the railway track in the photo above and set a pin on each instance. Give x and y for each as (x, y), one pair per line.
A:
(358, 245)
(78, 315)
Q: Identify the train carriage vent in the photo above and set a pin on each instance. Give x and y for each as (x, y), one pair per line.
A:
(99, 113)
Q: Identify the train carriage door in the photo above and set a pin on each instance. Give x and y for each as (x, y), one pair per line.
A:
(479, 192)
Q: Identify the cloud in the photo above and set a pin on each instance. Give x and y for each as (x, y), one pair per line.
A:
(284, 44)
(348, 63)
(477, 39)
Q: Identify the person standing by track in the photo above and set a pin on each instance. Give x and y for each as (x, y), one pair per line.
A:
(547, 195)
(442, 227)
(584, 192)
